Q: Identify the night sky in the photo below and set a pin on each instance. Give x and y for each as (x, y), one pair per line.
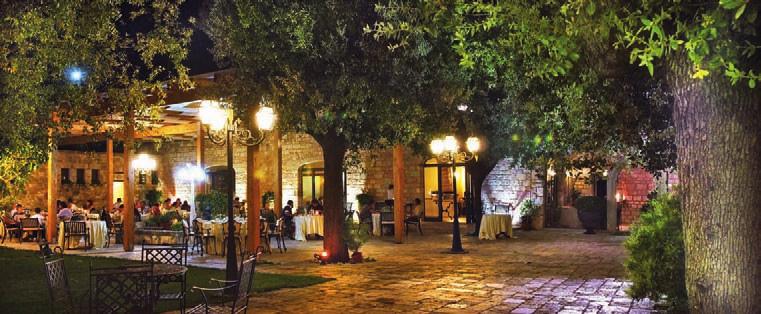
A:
(200, 59)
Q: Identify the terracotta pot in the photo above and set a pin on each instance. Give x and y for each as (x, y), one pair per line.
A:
(526, 223)
(356, 257)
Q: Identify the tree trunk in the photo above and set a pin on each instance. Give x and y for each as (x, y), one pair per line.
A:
(719, 165)
(478, 173)
(333, 152)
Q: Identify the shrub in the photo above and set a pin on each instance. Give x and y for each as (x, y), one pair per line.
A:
(354, 234)
(529, 209)
(153, 197)
(364, 199)
(212, 204)
(656, 254)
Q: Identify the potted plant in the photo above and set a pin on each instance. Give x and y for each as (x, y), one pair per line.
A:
(528, 210)
(211, 204)
(153, 196)
(355, 235)
(591, 211)
(364, 198)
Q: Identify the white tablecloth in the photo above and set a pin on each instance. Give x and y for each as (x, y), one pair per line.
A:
(376, 224)
(492, 225)
(98, 234)
(308, 224)
(216, 226)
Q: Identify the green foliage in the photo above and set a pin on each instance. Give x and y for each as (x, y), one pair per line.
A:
(656, 254)
(152, 196)
(364, 199)
(122, 63)
(529, 208)
(214, 202)
(177, 226)
(591, 204)
(355, 234)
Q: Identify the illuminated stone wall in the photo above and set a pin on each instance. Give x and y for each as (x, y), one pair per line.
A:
(506, 184)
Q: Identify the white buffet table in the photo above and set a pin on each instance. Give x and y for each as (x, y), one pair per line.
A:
(308, 224)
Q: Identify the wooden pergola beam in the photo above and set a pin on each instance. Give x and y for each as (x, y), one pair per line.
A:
(169, 130)
(399, 203)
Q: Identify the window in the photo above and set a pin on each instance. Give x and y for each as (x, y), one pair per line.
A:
(142, 177)
(154, 177)
(80, 176)
(65, 177)
(95, 177)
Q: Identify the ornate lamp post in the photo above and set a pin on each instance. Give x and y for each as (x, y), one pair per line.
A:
(222, 129)
(447, 151)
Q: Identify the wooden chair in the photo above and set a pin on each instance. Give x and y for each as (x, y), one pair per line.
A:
(240, 290)
(236, 235)
(123, 289)
(264, 235)
(205, 235)
(414, 219)
(279, 235)
(32, 225)
(172, 256)
(59, 290)
(11, 228)
(75, 229)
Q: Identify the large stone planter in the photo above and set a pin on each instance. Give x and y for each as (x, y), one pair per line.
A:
(590, 220)
(158, 236)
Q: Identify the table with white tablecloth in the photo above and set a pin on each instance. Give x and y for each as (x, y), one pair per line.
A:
(494, 224)
(98, 234)
(216, 227)
(376, 224)
(308, 224)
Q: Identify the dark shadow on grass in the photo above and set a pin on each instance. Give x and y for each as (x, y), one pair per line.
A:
(23, 288)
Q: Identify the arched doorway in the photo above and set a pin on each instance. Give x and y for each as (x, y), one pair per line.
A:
(311, 182)
(217, 178)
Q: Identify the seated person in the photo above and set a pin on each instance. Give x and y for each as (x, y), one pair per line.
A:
(417, 211)
(288, 217)
(155, 209)
(270, 217)
(18, 213)
(315, 207)
(185, 206)
(65, 213)
(39, 216)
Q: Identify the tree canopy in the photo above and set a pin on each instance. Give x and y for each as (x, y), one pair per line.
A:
(67, 61)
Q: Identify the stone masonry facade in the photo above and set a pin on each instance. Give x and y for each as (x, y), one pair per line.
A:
(506, 184)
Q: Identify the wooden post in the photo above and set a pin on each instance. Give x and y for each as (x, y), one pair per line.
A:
(278, 171)
(110, 173)
(52, 220)
(129, 199)
(254, 201)
(399, 201)
(199, 158)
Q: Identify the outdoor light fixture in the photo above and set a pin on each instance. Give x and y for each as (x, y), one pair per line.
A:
(551, 172)
(462, 107)
(447, 152)
(321, 258)
(224, 129)
(144, 163)
(75, 75)
(191, 173)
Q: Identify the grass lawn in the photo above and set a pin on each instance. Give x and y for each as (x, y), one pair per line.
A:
(23, 287)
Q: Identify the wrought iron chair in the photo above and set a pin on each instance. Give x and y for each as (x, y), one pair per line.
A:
(240, 291)
(415, 219)
(279, 235)
(59, 290)
(32, 225)
(205, 235)
(46, 252)
(10, 227)
(235, 235)
(125, 289)
(264, 235)
(75, 229)
(172, 256)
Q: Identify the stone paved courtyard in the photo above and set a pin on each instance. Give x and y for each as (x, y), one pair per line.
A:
(548, 271)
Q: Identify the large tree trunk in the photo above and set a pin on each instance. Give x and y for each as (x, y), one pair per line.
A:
(333, 152)
(478, 172)
(719, 164)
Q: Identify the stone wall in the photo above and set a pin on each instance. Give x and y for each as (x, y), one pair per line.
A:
(508, 184)
(298, 149)
(172, 157)
(36, 190)
(379, 174)
(635, 184)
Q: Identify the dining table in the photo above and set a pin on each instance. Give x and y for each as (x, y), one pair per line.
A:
(308, 225)
(98, 234)
(216, 226)
(492, 225)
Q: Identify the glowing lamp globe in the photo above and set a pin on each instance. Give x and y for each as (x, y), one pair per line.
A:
(213, 115)
(473, 144)
(450, 144)
(265, 118)
(437, 146)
